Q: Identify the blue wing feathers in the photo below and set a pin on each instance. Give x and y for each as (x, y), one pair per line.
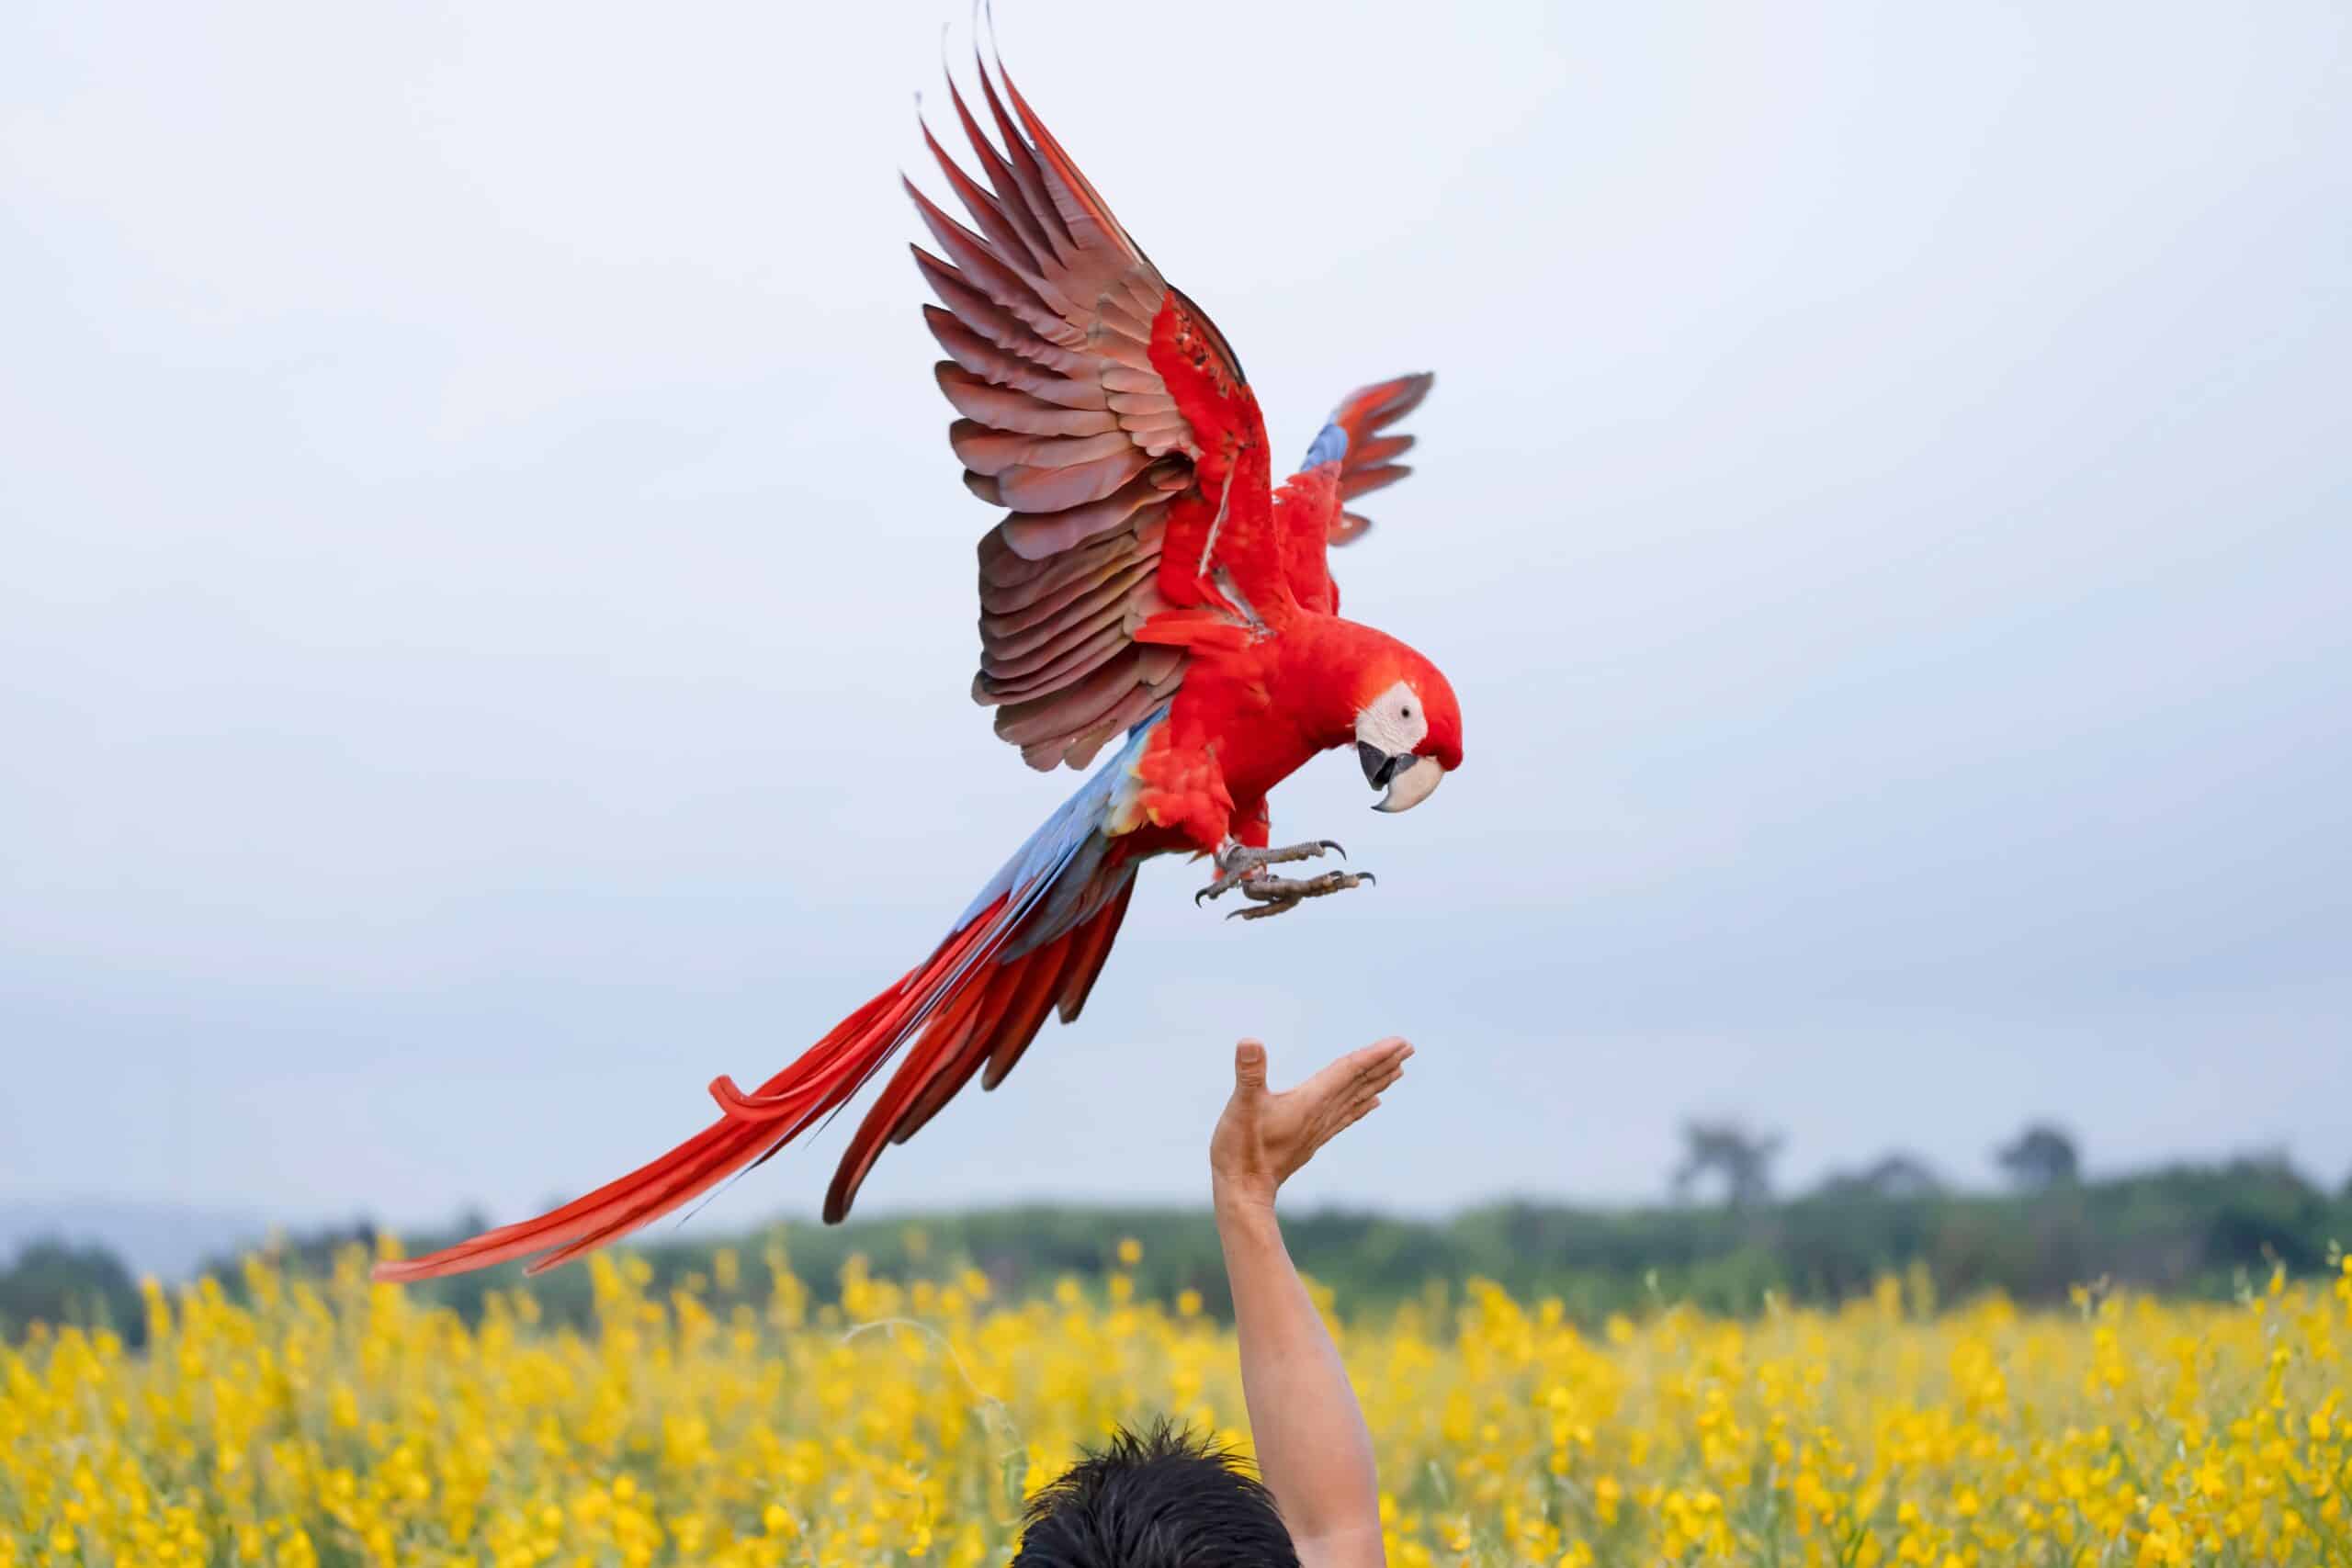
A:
(1062, 838)
(1330, 446)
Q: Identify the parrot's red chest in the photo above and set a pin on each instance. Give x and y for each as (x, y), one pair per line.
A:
(1258, 741)
(1246, 718)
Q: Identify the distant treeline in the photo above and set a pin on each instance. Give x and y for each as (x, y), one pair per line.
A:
(2181, 1231)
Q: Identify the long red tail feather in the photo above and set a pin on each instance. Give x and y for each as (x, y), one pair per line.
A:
(819, 1081)
(1001, 1025)
(970, 1010)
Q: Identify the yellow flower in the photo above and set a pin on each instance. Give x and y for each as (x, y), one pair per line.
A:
(304, 1417)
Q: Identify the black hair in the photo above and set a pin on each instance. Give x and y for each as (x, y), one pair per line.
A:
(1162, 1499)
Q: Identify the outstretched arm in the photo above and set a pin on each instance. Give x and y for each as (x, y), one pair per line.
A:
(1314, 1451)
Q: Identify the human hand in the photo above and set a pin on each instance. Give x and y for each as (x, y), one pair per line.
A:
(1262, 1138)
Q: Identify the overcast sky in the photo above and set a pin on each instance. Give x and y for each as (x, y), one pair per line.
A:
(487, 606)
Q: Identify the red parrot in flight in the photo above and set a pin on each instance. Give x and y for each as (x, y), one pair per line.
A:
(1150, 589)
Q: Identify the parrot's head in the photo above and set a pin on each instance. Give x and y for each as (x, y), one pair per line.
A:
(1409, 729)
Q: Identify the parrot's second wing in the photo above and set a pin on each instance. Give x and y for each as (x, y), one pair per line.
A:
(1361, 415)
(1350, 458)
(1050, 316)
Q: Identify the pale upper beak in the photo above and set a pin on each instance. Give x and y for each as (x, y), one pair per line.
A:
(1409, 778)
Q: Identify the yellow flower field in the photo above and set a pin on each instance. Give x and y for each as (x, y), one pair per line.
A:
(340, 1422)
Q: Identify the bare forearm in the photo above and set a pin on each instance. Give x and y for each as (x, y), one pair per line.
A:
(1313, 1449)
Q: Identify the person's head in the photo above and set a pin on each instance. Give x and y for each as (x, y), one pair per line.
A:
(1164, 1499)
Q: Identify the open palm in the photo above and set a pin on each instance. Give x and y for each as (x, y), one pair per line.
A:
(1263, 1138)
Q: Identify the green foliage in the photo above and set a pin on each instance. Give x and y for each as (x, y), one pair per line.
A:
(57, 1282)
(2184, 1230)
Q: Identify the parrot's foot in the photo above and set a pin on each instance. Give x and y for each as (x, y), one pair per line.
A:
(1237, 863)
(1275, 894)
(1239, 866)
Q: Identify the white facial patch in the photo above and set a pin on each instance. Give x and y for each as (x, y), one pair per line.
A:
(1395, 722)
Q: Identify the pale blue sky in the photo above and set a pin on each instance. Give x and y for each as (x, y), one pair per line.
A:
(487, 614)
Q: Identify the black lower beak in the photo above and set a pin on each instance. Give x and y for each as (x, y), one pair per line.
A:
(1379, 767)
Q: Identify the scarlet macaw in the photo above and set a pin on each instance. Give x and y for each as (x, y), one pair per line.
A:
(1147, 585)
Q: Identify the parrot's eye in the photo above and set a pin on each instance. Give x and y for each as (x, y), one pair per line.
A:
(1395, 722)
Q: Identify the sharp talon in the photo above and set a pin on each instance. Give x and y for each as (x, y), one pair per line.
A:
(1247, 872)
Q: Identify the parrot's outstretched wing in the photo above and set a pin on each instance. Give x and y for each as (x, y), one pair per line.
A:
(1050, 321)
(1350, 458)
(1365, 467)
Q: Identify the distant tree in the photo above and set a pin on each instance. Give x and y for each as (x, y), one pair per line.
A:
(2041, 1157)
(1891, 1175)
(57, 1282)
(2271, 1164)
(1742, 1160)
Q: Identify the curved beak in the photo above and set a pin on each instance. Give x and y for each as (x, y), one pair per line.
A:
(1410, 780)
